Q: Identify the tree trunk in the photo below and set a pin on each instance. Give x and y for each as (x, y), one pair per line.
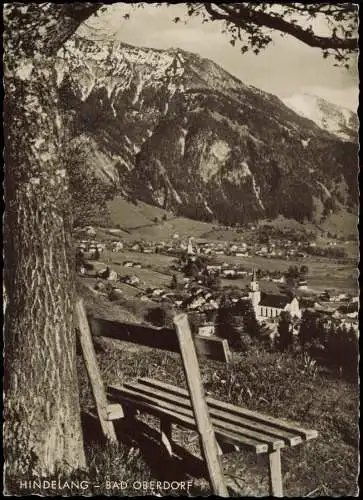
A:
(42, 430)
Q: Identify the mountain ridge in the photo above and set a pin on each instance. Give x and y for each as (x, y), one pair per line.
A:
(178, 131)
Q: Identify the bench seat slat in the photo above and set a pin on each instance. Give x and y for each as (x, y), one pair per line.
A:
(306, 434)
(189, 423)
(121, 392)
(289, 438)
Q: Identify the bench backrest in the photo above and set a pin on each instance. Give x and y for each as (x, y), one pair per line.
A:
(212, 347)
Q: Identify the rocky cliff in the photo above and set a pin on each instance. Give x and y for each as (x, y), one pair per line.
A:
(176, 130)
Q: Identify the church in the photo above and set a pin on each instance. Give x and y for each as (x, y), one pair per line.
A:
(267, 306)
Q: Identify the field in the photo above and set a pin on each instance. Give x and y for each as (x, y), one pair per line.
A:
(275, 383)
(323, 273)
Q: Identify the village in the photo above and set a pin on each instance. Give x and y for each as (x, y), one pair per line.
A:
(270, 248)
(195, 277)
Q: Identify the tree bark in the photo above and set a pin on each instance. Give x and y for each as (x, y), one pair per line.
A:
(42, 430)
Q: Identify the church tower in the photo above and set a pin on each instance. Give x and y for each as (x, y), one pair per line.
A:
(254, 293)
(190, 247)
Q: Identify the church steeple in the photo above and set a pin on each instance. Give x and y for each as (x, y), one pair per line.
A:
(254, 287)
(254, 294)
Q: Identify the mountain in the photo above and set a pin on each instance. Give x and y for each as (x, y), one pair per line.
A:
(335, 119)
(178, 131)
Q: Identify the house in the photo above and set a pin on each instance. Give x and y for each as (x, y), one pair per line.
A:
(145, 298)
(228, 272)
(279, 280)
(117, 246)
(269, 306)
(206, 330)
(212, 303)
(107, 274)
(89, 230)
(195, 302)
(213, 268)
(302, 285)
(132, 280)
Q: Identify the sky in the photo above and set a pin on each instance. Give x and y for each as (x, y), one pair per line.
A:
(285, 68)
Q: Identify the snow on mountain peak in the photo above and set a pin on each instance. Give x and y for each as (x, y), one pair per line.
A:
(335, 119)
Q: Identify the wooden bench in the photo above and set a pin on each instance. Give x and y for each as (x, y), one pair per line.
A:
(232, 424)
(221, 426)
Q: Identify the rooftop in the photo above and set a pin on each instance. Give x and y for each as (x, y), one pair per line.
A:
(274, 300)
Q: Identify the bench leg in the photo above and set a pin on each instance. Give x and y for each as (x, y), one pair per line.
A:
(166, 433)
(275, 474)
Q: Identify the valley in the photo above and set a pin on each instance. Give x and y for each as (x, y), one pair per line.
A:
(151, 241)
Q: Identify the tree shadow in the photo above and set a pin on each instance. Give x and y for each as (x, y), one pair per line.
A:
(133, 433)
(181, 466)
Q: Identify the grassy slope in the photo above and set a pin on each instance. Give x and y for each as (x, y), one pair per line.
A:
(140, 220)
(271, 382)
(129, 215)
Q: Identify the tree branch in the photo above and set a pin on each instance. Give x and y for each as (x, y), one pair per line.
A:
(240, 15)
(42, 28)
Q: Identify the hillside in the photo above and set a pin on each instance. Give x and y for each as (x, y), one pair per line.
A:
(177, 131)
(147, 221)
